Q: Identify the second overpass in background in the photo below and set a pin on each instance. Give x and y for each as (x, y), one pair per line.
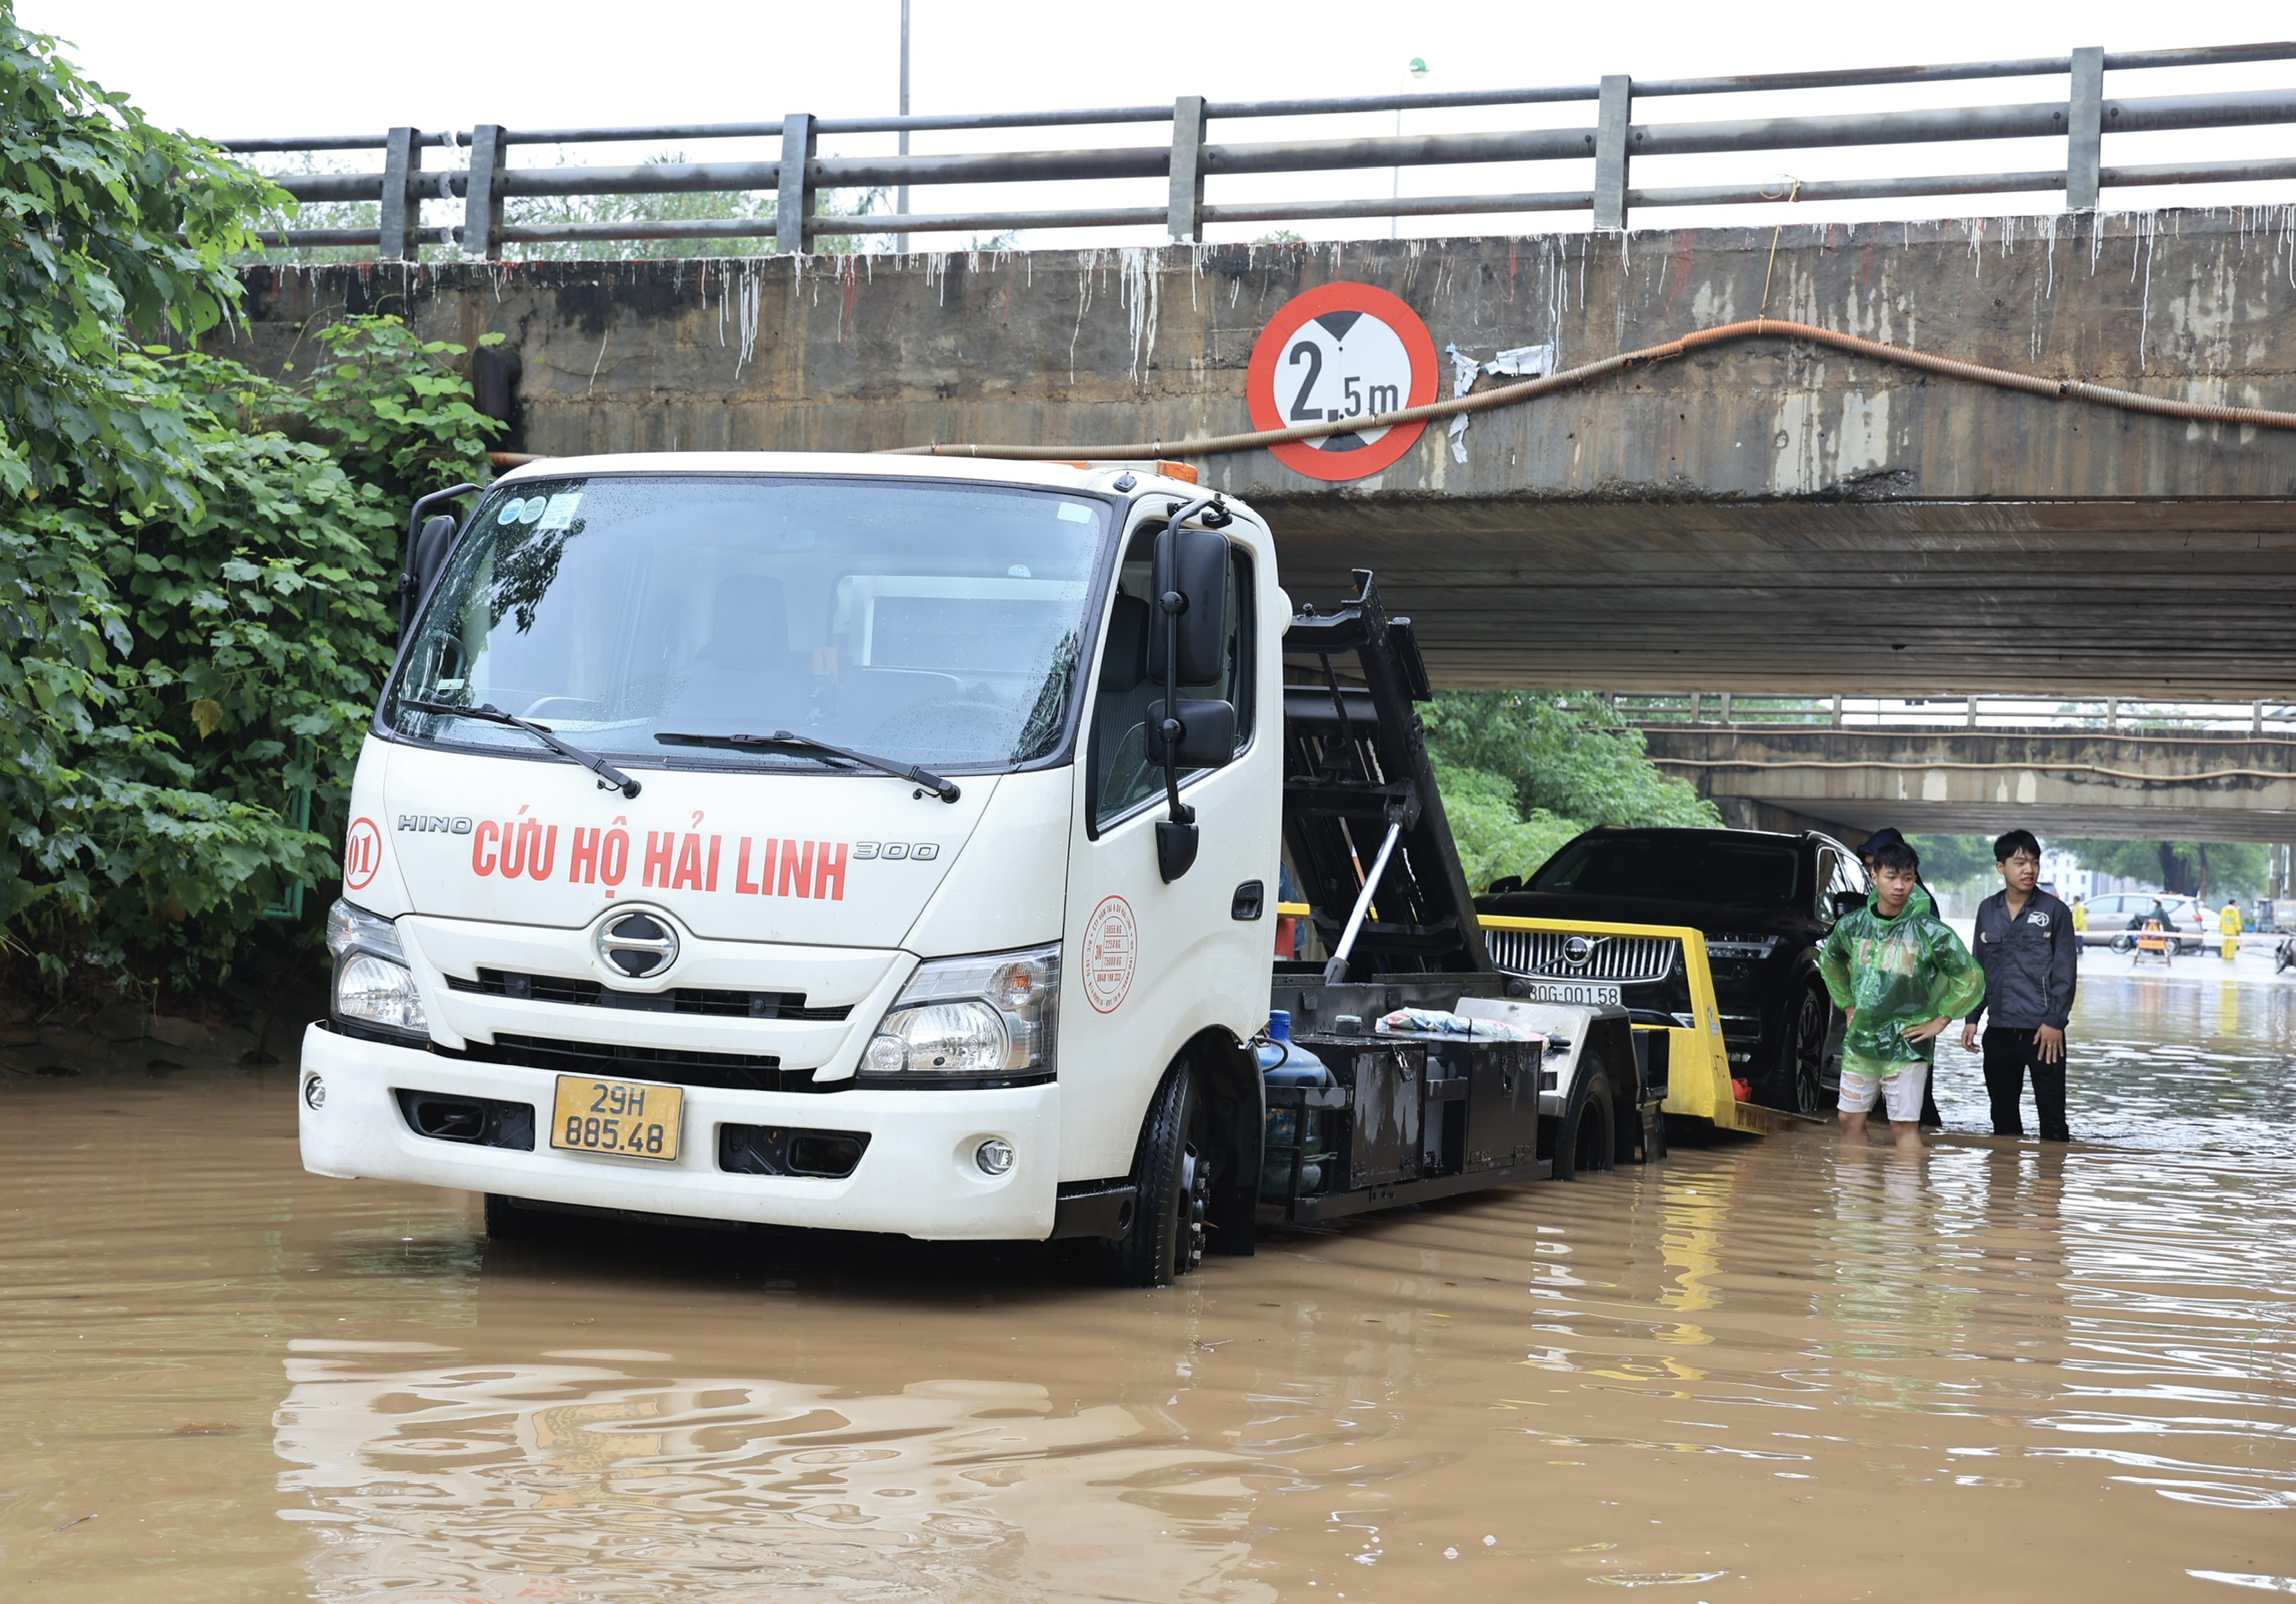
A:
(2187, 777)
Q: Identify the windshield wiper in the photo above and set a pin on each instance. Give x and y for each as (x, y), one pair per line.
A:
(946, 790)
(610, 778)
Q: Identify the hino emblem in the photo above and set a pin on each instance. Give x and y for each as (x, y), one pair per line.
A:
(637, 945)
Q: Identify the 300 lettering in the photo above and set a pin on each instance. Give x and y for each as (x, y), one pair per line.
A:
(611, 1136)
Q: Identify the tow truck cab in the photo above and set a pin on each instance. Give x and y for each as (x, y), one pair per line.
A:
(824, 841)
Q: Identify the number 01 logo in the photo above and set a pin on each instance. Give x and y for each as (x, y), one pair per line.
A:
(1339, 351)
(363, 854)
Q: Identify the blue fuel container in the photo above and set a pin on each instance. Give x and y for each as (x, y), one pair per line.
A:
(1291, 1152)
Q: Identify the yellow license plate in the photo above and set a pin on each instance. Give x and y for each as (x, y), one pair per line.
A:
(631, 1118)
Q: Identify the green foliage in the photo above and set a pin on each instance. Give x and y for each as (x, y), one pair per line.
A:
(196, 660)
(192, 587)
(2214, 870)
(1522, 772)
(1950, 860)
(106, 223)
(394, 410)
(1495, 838)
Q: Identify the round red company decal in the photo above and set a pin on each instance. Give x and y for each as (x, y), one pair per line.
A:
(1337, 352)
(363, 854)
(1111, 948)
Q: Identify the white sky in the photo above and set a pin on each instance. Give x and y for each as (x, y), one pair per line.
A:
(227, 71)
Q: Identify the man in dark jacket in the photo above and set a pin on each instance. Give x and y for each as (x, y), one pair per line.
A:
(2029, 950)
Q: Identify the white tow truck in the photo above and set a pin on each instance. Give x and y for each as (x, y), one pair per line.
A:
(893, 845)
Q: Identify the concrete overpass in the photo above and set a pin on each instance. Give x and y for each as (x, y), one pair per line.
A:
(1761, 517)
(2055, 782)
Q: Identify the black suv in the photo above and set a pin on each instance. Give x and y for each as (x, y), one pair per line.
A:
(1764, 902)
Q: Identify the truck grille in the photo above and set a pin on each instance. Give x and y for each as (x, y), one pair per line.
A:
(683, 1000)
(676, 1066)
(1542, 954)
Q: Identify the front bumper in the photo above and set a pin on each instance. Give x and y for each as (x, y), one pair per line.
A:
(917, 1177)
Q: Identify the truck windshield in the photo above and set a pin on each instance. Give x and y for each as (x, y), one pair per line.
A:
(1679, 868)
(935, 624)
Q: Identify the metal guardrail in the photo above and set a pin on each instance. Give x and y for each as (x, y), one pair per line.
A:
(1191, 157)
(2107, 715)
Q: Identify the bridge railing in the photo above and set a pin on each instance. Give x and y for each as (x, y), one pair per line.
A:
(1712, 710)
(477, 170)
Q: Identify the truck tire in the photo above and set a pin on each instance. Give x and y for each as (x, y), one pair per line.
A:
(1587, 1140)
(1173, 1171)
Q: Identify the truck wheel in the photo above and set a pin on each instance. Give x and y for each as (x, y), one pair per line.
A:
(1587, 1141)
(1174, 1173)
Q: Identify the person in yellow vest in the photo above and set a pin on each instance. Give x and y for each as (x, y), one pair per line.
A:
(2080, 915)
(2229, 922)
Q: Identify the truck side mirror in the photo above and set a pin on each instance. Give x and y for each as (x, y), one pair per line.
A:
(1207, 737)
(1188, 644)
(424, 559)
(425, 551)
(1191, 564)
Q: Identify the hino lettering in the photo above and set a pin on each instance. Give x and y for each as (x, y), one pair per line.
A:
(893, 844)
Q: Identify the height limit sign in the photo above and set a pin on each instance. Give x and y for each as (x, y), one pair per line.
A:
(1335, 353)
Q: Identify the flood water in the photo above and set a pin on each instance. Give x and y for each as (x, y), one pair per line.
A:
(1770, 1370)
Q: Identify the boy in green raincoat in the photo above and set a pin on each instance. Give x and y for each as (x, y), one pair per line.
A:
(1903, 976)
(1920, 901)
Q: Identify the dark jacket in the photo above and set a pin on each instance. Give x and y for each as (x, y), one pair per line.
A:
(2029, 962)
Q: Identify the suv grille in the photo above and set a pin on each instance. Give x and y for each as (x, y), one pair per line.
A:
(1623, 958)
(676, 1065)
(681, 1000)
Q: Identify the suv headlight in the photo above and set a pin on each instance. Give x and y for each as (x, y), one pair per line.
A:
(1740, 947)
(373, 986)
(989, 1016)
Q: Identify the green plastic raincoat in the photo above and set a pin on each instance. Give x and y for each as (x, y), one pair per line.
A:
(1896, 973)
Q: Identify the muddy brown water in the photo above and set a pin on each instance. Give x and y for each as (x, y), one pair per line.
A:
(1771, 1370)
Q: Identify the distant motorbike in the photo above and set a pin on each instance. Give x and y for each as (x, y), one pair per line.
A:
(2283, 955)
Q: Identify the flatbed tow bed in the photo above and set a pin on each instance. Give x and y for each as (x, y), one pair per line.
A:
(1414, 1117)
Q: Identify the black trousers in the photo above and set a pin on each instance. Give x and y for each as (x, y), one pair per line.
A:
(2008, 1053)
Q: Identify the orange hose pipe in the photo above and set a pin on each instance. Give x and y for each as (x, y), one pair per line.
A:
(1569, 378)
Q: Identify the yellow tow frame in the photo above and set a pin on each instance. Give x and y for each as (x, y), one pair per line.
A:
(1698, 1060)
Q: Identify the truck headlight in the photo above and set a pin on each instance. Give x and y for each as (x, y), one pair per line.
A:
(988, 1016)
(373, 986)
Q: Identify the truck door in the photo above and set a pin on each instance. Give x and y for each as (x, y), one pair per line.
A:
(1148, 964)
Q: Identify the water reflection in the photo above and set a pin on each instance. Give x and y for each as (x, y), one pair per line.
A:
(1778, 1369)
(595, 1474)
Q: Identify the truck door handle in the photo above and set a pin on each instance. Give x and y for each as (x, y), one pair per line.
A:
(1251, 896)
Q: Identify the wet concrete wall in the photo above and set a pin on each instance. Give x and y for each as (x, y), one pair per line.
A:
(862, 353)
(1762, 516)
